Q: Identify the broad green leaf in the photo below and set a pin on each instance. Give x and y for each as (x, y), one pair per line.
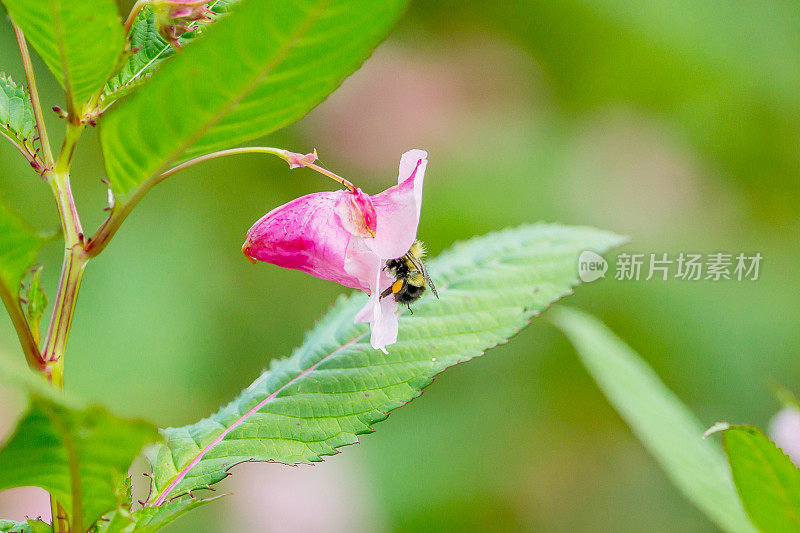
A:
(149, 50)
(80, 41)
(36, 303)
(336, 386)
(68, 449)
(257, 69)
(664, 425)
(28, 526)
(16, 115)
(767, 480)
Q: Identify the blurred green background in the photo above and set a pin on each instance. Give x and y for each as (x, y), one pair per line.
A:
(676, 123)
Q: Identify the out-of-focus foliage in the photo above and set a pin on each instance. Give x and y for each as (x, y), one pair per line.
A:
(659, 419)
(724, 75)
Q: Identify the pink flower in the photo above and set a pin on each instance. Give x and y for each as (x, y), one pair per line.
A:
(347, 237)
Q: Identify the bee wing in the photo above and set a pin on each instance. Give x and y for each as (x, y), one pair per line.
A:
(420, 266)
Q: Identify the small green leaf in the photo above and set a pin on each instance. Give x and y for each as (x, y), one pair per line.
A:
(17, 123)
(37, 303)
(149, 50)
(336, 386)
(80, 41)
(68, 449)
(767, 480)
(262, 67)
(28, 526)
(151, 519)
(663, 424)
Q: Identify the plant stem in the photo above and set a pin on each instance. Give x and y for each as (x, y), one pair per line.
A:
(75, 257)
(69, 283)
(286, 155)
(75, 260)
(51, 361)
(33, 91)
(104, 234)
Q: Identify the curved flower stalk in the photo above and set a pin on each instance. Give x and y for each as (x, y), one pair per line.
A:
(347, 237)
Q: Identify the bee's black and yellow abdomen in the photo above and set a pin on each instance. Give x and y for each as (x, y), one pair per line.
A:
(409, 293)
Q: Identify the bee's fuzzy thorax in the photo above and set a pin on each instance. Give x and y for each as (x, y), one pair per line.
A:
(417, 249)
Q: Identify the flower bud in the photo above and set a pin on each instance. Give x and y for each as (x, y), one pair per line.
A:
(172, 17)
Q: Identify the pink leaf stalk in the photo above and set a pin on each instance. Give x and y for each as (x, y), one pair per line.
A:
(347, 237)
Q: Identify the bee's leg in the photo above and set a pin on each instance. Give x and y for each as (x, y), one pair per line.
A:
(386, 293)
(409, 308)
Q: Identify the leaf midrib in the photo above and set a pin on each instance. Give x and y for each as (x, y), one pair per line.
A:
(58, 28)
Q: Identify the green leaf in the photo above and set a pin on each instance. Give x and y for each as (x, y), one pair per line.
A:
(336, 386)
(663, 424)
(19, 244)
(17, 123)
(258, 69)
(80, 41)
(149, 50)
(36, 303)
(151, 519)
(767, 480)
(28, 526)
(68, 449)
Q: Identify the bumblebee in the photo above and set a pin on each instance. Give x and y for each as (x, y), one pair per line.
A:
(411, 278)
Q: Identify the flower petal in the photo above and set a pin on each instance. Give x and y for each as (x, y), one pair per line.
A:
(356, 214)
(305, 234)
(381, 313)
(398, 208)
(383, 323)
